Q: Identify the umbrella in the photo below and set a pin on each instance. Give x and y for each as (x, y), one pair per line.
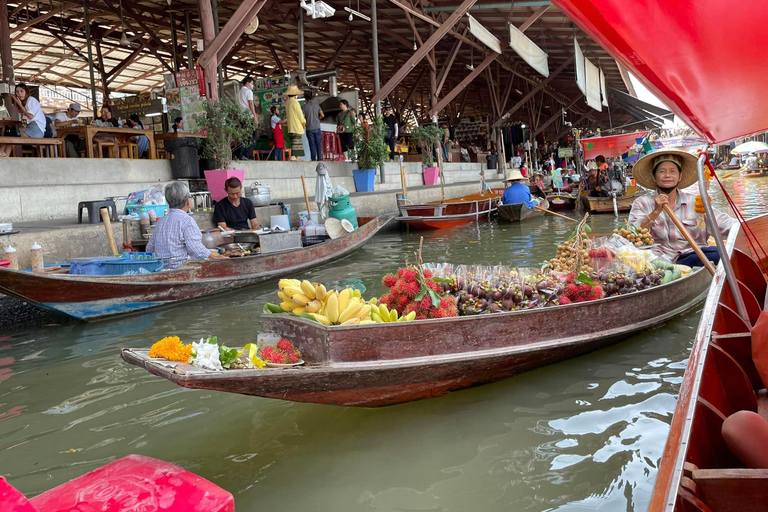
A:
(751, 146)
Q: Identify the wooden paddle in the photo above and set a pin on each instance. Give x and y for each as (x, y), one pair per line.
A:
(555, 214)
(743, 168)
(707, 264)
(108, 226)
(306, 198)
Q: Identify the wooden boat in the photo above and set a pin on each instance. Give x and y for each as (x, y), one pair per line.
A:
(520, 211)
(561, 201)
(698, 472)
(451, 212)
(755, 173)
(605, 204)
(96, 297)
(385, 364)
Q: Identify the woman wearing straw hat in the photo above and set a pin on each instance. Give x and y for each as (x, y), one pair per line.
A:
(296, 121)
(666, 173)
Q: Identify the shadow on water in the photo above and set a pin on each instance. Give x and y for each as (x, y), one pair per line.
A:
(585, 434)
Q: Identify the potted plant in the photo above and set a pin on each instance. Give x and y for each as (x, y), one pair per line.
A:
(428, 136)
(370, 152)
(225, 125)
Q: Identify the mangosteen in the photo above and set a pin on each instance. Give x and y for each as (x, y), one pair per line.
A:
(507, 304)
(494, 308)
(496, 295)
(535, 297)
(527, 290)
(623, 290)
(611, 288)
(517, 298)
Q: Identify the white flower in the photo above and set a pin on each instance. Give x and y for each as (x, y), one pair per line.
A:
(206, 355)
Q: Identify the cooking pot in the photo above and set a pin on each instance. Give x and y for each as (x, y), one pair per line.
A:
(259, 194)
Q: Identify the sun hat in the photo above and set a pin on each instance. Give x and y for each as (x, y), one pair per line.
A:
(293, 91)
(643, 169)
(513, 175)
(336, 228)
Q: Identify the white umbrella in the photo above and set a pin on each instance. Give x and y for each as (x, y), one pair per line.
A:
(751, 146)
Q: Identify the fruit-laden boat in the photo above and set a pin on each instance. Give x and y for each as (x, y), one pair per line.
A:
(561, 201)
(96, 297)
(391, 363)
(451, 212)
(520, 211)
(605, 204)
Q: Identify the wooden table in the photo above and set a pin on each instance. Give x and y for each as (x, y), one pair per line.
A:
(177, 135)
(8, 122)
(88, 132)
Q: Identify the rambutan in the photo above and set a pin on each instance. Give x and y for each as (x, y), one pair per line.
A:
(439, 313)
(581, 299)
(294, 357)
(572, 290)
(426, 303)
(412, 288)
(386, 299)
(400, 287)
(421, 316)
(564, 300)
(412, 307)
(401, 272)
(570, 277)
(434, 286)
(403, 300)
(266, 352)
(427, 274)
(284, 345)
(409, 275)
(444, 303)
(584, 289)
(277, 357)
(596, 293)
(389, 280)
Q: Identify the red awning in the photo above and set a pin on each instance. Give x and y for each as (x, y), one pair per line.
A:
(705, 59)
(609, 147)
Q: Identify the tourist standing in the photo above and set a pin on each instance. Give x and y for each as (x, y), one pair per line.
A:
(345, 125)
(313, 115)
(296, 121)
(277, 133)
(392, 130)
(245, 99)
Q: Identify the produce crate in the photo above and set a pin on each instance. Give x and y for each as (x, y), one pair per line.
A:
(120, 266)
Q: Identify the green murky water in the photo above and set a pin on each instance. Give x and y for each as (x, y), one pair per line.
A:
(586, 434)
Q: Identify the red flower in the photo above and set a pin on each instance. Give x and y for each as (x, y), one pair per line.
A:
(389, 280)
(284, 345)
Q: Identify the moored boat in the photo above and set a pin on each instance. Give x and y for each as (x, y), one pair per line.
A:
(605, 204)
(520, 212)
(755, 173)
(96, 297)
(386, 364)
(451, 212)
(561, 201)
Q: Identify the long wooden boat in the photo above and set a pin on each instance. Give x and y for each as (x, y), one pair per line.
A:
(96, 297)
(755, 173)
(451, 212)
(520, 211)
(386, 364)
(605, 204)
(561, 201)
(698, 473)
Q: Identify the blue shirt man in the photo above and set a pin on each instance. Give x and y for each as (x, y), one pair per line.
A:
(518, 193)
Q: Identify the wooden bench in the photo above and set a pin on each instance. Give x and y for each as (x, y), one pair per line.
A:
(39, 144)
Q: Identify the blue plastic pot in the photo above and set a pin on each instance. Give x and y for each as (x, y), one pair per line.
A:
(364, 179)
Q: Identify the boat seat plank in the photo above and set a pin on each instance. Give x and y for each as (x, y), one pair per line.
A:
(687, 502)
(727, 321)
(739, 347)
(748, 272)
(725, 385)
(754, 308)
(733, 490)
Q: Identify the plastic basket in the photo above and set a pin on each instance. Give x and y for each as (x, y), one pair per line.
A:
(160, 209)
(139, 255)
(120, 266)
(88, 266)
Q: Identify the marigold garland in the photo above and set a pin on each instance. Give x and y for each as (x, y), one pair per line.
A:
(171, 348)
(699, 207)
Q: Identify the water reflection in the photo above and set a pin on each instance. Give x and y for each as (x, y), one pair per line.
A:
(585, 434)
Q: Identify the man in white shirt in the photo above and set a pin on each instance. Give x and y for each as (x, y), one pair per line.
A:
(752, 162)
(245, 99)
(73, 143)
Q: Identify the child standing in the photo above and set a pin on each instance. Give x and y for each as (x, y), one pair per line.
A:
(277, 133)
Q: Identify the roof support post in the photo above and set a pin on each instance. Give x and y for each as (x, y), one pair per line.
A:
(188, 35)
(209, 67)
(90, 55)
(428, 45)
(463, 85)
(375, 49)
(5, 43)
(174, 41)
(302, 55)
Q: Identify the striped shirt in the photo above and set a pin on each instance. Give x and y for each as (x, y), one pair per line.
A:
(663, 230)
(177, 239)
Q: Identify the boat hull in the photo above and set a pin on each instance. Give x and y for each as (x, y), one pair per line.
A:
(561, 202)
(520, 212)
(605, 204)
(93, 298)
(450, 213)
(380, 365)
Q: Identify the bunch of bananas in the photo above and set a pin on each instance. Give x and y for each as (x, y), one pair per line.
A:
(381, 314)
(327, 307)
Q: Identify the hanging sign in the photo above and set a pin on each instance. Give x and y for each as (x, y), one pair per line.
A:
(565, 152)
(557, 178)
(191, 78)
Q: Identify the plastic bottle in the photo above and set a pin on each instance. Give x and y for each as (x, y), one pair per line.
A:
(208, 241)
(152, 217)
(10, 255)
(36, 255)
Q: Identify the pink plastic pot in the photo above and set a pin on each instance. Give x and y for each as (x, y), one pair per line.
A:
(431, 175)
(216, 180)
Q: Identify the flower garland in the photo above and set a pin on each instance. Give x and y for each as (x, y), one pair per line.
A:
(699, 207)
(171, 348)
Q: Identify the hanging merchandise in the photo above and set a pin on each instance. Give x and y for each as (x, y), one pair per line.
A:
(593, 86)
(581, 73)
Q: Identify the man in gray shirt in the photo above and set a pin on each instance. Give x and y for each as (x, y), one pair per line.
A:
(313, 114)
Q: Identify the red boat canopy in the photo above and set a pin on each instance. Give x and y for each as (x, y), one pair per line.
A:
(705, 59)
(609, 147)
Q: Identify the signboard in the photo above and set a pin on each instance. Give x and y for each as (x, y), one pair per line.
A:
(557, 179)
(192, 107)
(191, 78)
(140, 107)
(565, 152)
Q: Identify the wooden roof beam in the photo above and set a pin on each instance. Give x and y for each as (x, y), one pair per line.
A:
(464, 83)
(41, 18)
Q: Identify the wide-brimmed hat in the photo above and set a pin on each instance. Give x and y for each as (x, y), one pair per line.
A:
(643, 169)
(336, 228)
(293, 91)
(513, 175)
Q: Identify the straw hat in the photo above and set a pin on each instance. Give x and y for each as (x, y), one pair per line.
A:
(293, 91)
(643, 169)
(513, 175)
(336, 228)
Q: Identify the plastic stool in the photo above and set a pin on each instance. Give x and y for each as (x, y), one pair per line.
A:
(94, 217)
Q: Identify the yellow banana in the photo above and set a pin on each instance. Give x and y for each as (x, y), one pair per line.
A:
(283, 296)
(407, 318)
(343, 299)
(365, 312)
(357, 293)
(352, 311)
(301, 299)
(355, 300)
(332, 308)
(290, 291)
(288, 282)
(314, 306)
(383, 312)
(308, 289)
(298, 311)
(366, 322)
(288, 305)
(373, 302)
(393, 315)
(376, 318)
(352, 321)
(322, 319)
(320, 292)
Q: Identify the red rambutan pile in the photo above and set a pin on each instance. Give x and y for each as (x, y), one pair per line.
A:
(284, 345)
(583, 292)
(570, 278)
(284, 352)
(389, 280)
(406, 284)
(564, 300)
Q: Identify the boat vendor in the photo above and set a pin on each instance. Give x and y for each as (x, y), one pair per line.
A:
(598, 177)
(177, 238)
(667, 172)
(517, 192)
(234, 212)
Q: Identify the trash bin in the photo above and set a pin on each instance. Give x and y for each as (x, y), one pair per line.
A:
(491, 161)
(183, 155)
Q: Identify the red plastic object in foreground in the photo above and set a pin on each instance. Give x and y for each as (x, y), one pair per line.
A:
(5, 263)
(701, 58)
(610, 146)
(135, 483)
(12, 500)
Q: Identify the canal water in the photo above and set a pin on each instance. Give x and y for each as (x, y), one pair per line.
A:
(585, 434)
